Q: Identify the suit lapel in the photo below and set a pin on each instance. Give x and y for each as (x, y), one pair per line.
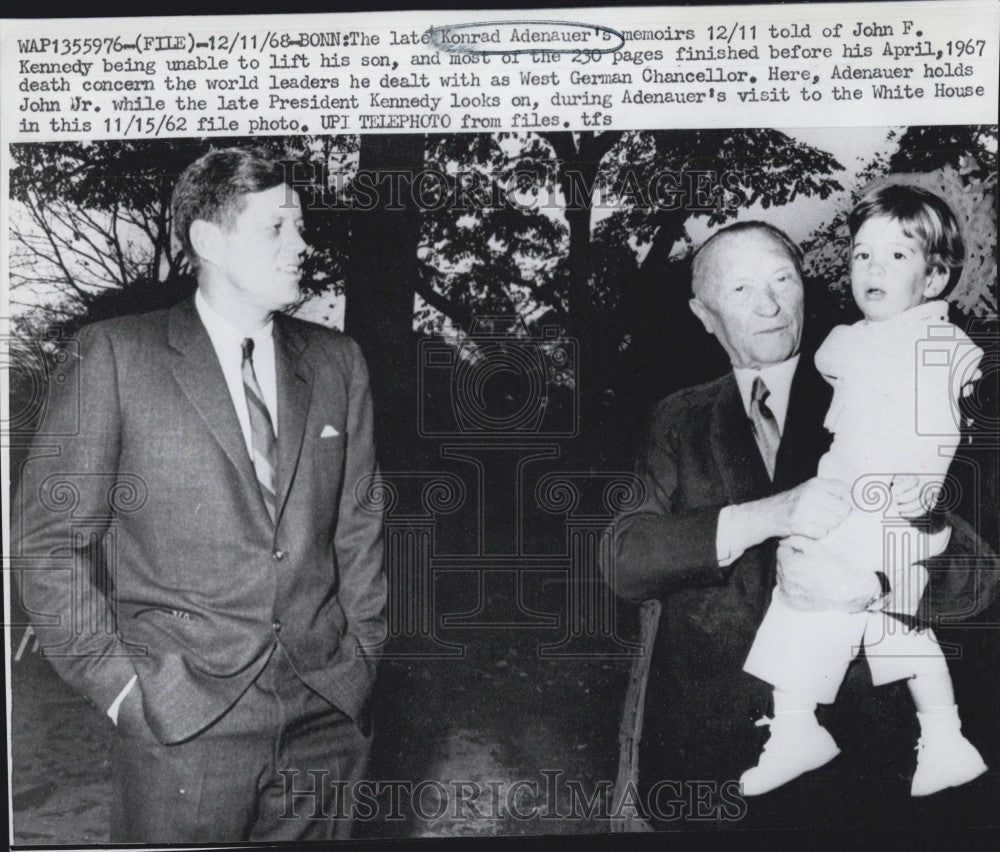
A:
(742, 469)
(737, 457)
(803, 439)
(200, 377)
(295, 384)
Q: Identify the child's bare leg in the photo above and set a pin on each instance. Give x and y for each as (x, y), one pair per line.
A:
(932, 692)
(793, 705)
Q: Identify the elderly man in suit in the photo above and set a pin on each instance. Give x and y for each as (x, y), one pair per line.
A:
(243, 570)
(721, 488)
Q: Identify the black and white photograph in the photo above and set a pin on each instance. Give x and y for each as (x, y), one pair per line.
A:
(523, 325)
(556, 481)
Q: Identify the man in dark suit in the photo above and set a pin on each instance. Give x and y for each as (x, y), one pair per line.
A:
(214, 489)
(721, 487)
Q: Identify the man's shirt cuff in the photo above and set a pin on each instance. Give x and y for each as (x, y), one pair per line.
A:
(725, 549)
(117, 703)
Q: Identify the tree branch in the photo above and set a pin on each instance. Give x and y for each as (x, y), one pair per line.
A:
(595, 145)
(562, 144)
(455, 311)
(31, 204)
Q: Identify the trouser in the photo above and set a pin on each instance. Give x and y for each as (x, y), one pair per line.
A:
(808, 653)
(276, 767)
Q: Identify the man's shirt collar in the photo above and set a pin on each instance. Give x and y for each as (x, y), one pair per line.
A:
(225, 337)
(778, 378)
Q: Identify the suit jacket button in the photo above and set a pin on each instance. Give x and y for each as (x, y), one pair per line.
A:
(276, 626)
(278, 555)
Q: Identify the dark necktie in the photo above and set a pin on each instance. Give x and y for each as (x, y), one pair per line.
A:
(765, 427)
(265, 445)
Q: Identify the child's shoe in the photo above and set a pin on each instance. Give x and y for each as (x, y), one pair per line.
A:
(797, 745)
(945, 758)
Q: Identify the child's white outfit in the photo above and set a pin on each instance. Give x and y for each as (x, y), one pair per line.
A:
(894, 411)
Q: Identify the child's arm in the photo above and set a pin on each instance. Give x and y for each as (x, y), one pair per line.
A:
(831, 359)
(833, 353)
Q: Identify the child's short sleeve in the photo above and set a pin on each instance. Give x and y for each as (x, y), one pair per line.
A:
(947, 361)
(833, 354)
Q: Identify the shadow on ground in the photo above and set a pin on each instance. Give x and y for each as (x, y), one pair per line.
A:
(516, 730)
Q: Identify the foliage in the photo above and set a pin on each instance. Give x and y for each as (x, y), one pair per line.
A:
(90, 225)
(602, 193)
(557, 228)
(960, 165)
(481, 253)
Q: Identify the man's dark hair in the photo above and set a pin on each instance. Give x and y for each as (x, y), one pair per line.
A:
(924, 217)
(213, 187)
(704, 250)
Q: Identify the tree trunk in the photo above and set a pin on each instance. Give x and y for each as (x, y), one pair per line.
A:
(379, 287)
(578, 170)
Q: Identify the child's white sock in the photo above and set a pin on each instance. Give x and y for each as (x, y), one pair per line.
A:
(945, 758)
(797, 744)
(793, 707)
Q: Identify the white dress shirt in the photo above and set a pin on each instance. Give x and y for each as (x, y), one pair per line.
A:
(778, 379)
(228, 344)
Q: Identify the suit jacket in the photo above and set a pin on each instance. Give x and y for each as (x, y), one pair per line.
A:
(700, 706)
(140, 478)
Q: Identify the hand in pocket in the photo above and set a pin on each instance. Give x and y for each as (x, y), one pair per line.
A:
(131, 718)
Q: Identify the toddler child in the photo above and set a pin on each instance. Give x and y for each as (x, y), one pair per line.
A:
(894, 413)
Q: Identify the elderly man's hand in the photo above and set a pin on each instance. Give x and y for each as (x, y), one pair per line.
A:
(811, 579)
(812, 509)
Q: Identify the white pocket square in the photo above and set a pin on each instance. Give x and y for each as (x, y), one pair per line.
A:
(329, 432)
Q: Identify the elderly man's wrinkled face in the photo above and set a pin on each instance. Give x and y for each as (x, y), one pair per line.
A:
(749, 295)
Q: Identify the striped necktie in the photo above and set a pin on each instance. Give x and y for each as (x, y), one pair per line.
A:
(765, 427)
(265, 445)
